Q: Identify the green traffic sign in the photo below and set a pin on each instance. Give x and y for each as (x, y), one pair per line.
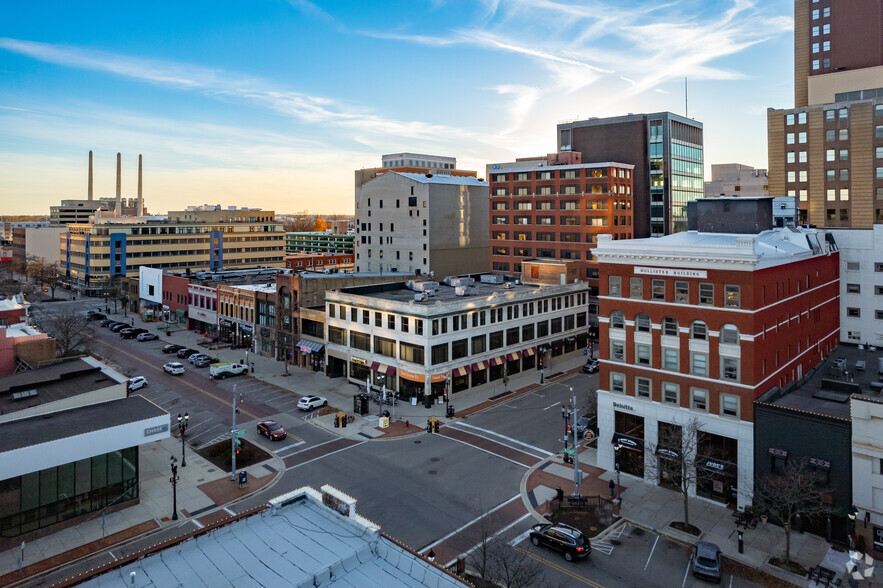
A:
(238, 442)
(241, 432)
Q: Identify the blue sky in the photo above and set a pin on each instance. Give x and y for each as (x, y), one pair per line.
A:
(274, 103)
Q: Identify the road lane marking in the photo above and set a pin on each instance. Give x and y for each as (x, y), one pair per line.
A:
(552, 405)
(323, 456)
(687, 571)
(472, 522)
(520, 538)
(186, 383)
(494, 536)
(197, 523)
(307, 449)
(651, 553)
(510, 439)
(490, 452)
(558, 567)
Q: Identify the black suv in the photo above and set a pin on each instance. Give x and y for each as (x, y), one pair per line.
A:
(564, 538)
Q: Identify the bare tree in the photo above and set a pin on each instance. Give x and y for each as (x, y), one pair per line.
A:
(799, 490)
(499, 564)
(9, 286)
(71, 329)
(673, 459)
(52, 277)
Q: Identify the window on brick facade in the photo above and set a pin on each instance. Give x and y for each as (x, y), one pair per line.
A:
(642, 323)
(670, 326)
(617, 320)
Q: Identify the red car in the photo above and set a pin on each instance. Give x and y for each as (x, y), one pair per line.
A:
(272, 430)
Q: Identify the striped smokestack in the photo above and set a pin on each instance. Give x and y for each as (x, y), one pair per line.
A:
(140, 210)
(90, 175)
(119, 206)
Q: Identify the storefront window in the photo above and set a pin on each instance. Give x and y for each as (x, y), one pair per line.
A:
(479, 377)
(631, 452)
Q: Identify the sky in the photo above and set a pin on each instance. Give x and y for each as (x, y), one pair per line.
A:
(274, 103)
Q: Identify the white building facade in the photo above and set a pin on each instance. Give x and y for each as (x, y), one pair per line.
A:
(867, 464)
(412, 340)
(861, 285)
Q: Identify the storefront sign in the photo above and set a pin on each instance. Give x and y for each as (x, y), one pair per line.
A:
(358, 360)
(714, 465)
(778, 453)
(438, 377)
(878, 538)
(820, 463)
(412, 376)
(672, 272)
(155, 430)
(623, 406)
(667, 453)
(627, 442)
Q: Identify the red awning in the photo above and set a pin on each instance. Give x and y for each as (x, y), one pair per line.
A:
(478, 366)
(514, 356)
(497, 361)
(529, 351)
(383, 368)
(461, 371)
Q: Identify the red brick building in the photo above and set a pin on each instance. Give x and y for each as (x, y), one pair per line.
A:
(700, 323)
(317, 262)
(555, 207)
(174, 296)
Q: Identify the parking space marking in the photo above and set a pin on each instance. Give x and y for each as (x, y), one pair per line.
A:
(687, 571)
(552, 405)
(651, 553)
(558, 567)
(520, 538)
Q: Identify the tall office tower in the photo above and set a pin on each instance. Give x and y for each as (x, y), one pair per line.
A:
(828, 149)
(666, 152)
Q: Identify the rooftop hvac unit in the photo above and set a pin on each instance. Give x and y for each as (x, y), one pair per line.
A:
(465, 282)
(491, 279)
(507, 285)
(460, 290)
(425, 286)
(419, 297)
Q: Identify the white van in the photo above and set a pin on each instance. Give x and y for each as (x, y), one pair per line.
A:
(223, 370)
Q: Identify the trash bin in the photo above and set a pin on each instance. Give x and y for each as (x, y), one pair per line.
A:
(450, 411)
(427, 401)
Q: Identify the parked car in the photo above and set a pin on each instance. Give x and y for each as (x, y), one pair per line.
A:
(120, 326)
(147, 337)
(186, 352)
(195, 356)
(587, 424)
(272, 430)
(137, 383)
(707, 561)
(224, 370)
(106, 322)
(568, 540)
(311, 402)
(174, 368)
(205, 361)
(97, 316)
(591, 367)
(131, 333)
(172, 348)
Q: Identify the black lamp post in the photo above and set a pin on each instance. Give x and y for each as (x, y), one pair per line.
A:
(851, 526)
(174, 480)
(566, 415)
(617, 449)
(182, 428)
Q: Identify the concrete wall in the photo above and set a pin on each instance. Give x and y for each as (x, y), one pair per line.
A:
(459, 217)
(860, 251)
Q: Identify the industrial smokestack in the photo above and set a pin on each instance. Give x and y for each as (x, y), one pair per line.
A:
(119, 206)
(140, 210)
(90, 175)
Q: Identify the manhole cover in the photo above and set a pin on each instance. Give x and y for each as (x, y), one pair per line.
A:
(434, 459)
(432, 472)
(417, 442)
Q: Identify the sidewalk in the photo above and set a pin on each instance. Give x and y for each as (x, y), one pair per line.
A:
(652, 507)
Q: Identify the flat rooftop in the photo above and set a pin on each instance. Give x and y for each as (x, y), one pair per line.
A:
(399, 291)
(828, 389)
(57, 381)
(76, 421)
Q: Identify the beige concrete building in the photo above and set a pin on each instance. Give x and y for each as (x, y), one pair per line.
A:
(36, 242)
(421, 222)
(736, 179)
(199, 238)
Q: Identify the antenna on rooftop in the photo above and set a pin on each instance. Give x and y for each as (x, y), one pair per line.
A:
(686, 109)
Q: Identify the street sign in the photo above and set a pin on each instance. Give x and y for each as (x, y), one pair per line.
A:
(240, 432)
(238, 441)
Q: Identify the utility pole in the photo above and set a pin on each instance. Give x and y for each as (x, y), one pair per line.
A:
(235, 437)
(571, 411)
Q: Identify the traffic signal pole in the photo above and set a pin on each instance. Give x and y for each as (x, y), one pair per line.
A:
(234, 438)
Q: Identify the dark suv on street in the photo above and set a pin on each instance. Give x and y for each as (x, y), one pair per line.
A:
(564, 538)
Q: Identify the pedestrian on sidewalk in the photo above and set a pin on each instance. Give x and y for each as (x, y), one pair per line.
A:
(612, 486)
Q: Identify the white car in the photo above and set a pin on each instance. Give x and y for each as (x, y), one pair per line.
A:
(137, 383)
(174, 368)
(311, 402)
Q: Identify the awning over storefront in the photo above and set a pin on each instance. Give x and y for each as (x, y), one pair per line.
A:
(498, 360)
(668, 453)
(307, 346)
(478, 366)
(514, 356)
(226, 323)
(382, 368)
(627, 442)
(716, 465)
(412, 376)
(245, 328)
(529, 351)
(571, 339)
(461, 371)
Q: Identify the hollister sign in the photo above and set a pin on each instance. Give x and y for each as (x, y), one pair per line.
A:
(671, 272)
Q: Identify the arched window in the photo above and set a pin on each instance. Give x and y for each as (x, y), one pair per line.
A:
(670, 326)
(617, 320)
(729, 334)
(642, 323)
(698, 330)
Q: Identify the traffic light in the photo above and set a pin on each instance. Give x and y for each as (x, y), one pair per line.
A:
(429, 426)
(435, 426)
(569, 430)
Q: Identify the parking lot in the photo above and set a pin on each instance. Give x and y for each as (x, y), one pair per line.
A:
(632, 557)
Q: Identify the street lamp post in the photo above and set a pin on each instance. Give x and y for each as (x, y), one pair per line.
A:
(182, 428)
(566, 415)
(174, 480)
(617, 448)
(851, 526)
